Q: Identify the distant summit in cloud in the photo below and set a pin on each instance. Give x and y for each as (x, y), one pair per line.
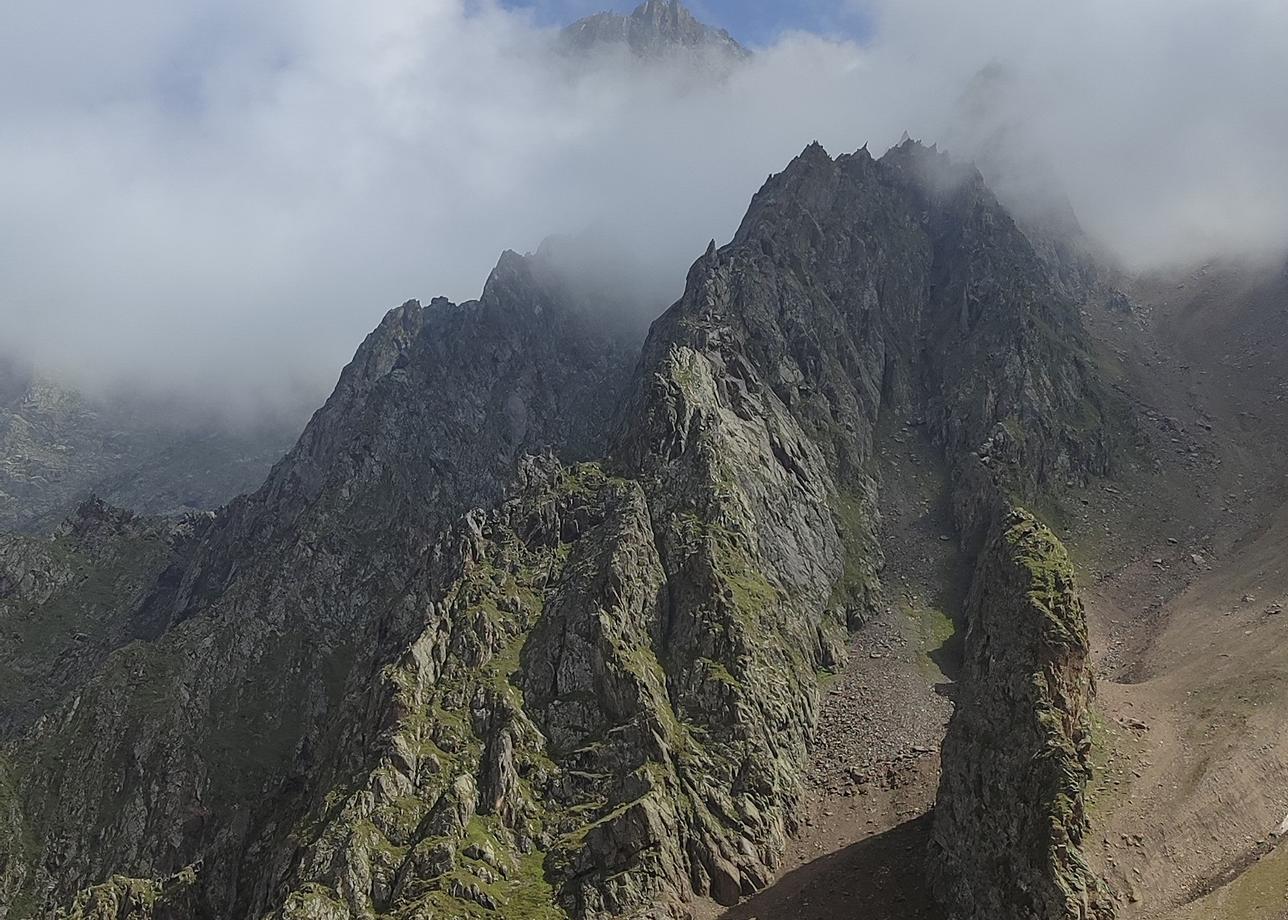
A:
(656, 29)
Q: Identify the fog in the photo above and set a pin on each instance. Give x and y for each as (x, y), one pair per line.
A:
(217, 199)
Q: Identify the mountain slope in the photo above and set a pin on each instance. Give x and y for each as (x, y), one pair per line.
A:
(1183, 575)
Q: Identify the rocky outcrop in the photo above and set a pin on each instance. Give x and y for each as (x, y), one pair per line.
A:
(656, 29)
(1010, 818)
(519, 712)
(574, 780)
(136, 899)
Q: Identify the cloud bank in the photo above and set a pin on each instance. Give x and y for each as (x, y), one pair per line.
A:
(219, 198)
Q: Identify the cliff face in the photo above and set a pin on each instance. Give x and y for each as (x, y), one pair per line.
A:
(440, 664)
(1010, 816)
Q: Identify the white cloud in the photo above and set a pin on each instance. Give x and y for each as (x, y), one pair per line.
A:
(221, 196)
(1164, 119)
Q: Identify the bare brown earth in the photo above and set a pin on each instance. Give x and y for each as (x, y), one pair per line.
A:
(1187, 578)
(1184, 561)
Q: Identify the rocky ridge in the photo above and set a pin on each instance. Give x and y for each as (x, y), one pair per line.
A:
(589, 696)
(258, 623)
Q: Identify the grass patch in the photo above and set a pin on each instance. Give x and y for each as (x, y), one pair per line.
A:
(938, 644)
(1260, 893)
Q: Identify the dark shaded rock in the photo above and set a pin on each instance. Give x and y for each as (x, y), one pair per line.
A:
(69, 601)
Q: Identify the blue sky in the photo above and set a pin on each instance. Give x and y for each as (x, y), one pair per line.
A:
(753, 22)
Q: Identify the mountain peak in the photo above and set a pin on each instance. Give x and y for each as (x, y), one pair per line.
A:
(656, 28)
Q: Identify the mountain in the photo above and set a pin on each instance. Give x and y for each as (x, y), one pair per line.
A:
(532, 621)
(914, 563)
(57, 446)
(656, 29)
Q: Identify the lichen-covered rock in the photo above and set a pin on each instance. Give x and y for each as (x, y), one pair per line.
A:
(521, 717)
(1010, 817)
